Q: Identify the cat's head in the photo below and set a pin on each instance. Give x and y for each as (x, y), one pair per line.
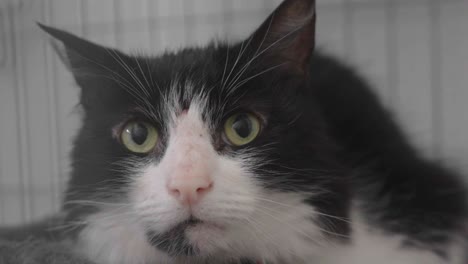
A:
(206, 151)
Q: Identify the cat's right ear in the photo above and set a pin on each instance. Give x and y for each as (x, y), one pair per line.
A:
(93, 66)
(79, 54)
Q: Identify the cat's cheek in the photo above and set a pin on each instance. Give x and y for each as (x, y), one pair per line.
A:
(234, 191)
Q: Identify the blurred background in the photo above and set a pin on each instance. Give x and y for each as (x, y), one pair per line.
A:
(415, 52)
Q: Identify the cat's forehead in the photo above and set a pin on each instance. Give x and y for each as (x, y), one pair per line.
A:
(183, 64)
(205, 76)
(182, 73)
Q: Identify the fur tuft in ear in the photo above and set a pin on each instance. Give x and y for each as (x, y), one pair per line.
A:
(288, 34)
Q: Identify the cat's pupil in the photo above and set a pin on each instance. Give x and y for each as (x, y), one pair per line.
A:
(139, 133)
(242, 125)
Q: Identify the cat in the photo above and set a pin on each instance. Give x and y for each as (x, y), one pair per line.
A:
(262, 151)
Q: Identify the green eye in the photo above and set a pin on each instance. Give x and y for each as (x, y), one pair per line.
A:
(241, 129)
(139, 137)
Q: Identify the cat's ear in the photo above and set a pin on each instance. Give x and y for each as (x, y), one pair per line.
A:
(288, 34)
(77, 53)
(93, 66)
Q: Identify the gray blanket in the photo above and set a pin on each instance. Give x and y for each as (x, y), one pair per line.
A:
(37, 252)
(36, 243)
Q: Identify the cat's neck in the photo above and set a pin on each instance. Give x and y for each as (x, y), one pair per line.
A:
(110, 240)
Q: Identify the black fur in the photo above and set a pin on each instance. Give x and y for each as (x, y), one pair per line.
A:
(404, 192)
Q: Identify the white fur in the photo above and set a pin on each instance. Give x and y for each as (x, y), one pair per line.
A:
(370, 245)
(110, 239)
(247, 220)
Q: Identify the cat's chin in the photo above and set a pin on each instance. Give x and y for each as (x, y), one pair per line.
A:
(190, 238)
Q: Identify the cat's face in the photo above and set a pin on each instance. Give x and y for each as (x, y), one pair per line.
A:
(206, 151)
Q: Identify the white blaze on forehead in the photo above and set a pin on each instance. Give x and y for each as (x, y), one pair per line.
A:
(190, 159)
(189, 142)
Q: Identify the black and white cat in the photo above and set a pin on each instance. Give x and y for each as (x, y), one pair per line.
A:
(258, 151)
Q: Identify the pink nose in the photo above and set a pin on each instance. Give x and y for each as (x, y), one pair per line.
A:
(189, 190)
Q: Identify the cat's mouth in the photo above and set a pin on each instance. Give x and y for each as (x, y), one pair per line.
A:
(185, 237)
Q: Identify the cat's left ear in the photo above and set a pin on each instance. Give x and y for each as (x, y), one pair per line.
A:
(288, 34)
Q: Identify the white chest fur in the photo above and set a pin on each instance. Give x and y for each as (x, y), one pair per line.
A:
(112, 240)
